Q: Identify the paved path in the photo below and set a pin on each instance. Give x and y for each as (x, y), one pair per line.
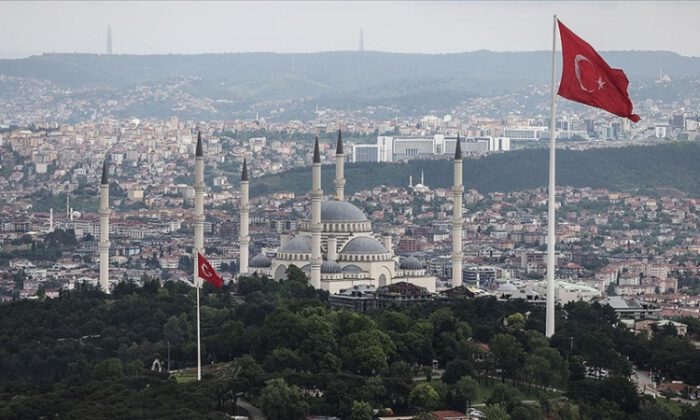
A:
(253, 412)
(530, 402)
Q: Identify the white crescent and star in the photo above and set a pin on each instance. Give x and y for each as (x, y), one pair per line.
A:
(577, 70)
(205, 271)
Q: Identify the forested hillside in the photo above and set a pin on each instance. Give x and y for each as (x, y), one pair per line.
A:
(279, 346)
(620, 169)
(340, 79)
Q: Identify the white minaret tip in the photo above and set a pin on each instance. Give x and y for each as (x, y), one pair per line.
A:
(316, 197)
(244, 238)
(457, 190)
(339, 169)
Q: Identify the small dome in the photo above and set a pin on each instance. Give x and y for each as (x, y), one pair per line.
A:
(300, 243)
(364, 245)
(352, 268)
(410, 263)
(507, 287)
(330, 267)
(260, 261)
(341, 211)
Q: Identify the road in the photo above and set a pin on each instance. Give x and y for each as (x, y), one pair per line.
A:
(645, 386)
(253, 412)
(643, 380)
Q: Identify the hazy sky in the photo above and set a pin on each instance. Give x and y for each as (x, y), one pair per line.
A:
(429, 27)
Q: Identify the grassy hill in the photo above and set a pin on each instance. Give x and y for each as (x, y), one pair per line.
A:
(648, 168)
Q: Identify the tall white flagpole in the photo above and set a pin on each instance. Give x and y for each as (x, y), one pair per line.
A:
(551, 191)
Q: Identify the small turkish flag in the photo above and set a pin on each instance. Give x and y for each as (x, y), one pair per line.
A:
(206, 271)
(588, 79)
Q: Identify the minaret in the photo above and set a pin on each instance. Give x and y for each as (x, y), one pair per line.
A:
(243, 230)
(422, 177)
(198, 200)
(198, 203)
(104, 229)
(316, 197)
(51, 227)
(457, 190)
(339, 170)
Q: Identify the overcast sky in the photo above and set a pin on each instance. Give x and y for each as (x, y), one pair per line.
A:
(426, 27)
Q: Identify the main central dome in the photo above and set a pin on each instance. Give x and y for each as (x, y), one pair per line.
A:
(341, 211)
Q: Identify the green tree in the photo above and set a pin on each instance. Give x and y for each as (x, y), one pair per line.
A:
(557, 368)
(366, 352)
(361, 411)
(280, 401)
(455, 370)
(503, 395)
(496, 412)
(651, 410)
(526, 412)
(109, 369)
(515, 322)
(566, 410)
(508, 352)
(296, 274)
(424, 397)
(465, 391)
(621, 391)
(281, 359)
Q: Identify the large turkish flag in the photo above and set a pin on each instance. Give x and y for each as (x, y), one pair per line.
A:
(588, 79)
(207, 272)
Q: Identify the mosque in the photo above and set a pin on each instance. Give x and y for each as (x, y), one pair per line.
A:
(336, 246)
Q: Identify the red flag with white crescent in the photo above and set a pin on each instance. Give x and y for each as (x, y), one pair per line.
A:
(588, 79)
(206, 271)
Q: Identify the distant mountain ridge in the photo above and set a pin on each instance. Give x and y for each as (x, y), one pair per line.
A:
(290, 86)
(326, 70)
(635, 168)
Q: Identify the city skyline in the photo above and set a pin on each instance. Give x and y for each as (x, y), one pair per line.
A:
(143, 28)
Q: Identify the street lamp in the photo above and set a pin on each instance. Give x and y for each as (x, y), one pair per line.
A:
(168, 356)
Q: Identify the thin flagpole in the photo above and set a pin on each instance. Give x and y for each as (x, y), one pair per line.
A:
(199, 337)
(551, 191)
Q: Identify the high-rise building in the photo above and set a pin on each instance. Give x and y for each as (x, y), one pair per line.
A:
(404, 148)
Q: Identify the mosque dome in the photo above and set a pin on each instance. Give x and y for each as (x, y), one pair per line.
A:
(411, 263)
(341, 211)
(300, 243)
(507, 288)
(364, 245)
(331, 267)
(260, 261)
